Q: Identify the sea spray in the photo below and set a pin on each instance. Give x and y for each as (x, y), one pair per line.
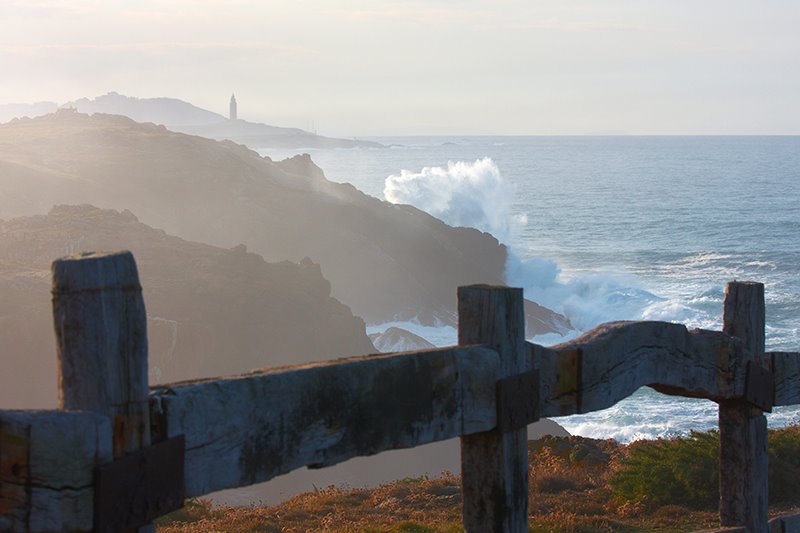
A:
(646, 213)
(473, 195)
(587, 300)
(476, 195)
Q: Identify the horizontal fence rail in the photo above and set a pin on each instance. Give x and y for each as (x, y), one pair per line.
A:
(786, 373)
(47, 466)
(116, 456)
(252, 428)
(612, 361)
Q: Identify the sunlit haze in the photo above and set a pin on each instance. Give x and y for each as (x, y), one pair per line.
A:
(532, 208)
(434, 67)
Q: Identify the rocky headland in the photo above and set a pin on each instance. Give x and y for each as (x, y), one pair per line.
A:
(211, 311)
(178, 115)
(182, 116)
(288, 251)
(387, 262)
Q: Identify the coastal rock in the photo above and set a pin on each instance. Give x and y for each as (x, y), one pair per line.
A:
(210, 311)
(384, 261)
(396, 339)
(540, 320)
(546, 427)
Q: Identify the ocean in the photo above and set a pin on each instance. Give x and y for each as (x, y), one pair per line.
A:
(612, 228)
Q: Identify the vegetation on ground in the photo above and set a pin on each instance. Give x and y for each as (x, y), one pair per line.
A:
(576, 485)
(685, 470)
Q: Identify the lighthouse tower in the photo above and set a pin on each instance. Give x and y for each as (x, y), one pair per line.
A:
(233, 108)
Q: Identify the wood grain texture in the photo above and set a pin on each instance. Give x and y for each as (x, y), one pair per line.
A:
(612, 361)
(494, 465)
(742, 427)
(251, 428)
(786, 373)
(248, 429)
(47, 462)
(101, 332)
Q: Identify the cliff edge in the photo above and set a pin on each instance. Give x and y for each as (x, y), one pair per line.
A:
(387, 262)
(211, 311)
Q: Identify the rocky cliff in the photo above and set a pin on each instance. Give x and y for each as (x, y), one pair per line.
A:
(385, 261)
(211, 311)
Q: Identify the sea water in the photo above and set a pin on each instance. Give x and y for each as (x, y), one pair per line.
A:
(613, 228)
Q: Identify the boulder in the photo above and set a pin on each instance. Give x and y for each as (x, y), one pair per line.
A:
(396, 339)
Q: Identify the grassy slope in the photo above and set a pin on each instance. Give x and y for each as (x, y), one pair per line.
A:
(569, 492)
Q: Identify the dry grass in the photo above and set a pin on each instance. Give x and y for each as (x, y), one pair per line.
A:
(400, 506)
(569, 493)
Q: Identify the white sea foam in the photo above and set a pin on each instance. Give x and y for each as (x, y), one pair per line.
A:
(587, 300)
(644, 415)
(649, 415)
(463, 194)
(690, 291)
(476, 195)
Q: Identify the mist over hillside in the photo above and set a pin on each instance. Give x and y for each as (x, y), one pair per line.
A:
(387, 262)
(210, 311)
(171, 112)
(12, 111)
(182, 116)
(219, 308)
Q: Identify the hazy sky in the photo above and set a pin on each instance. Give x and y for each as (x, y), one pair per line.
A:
(382, 67)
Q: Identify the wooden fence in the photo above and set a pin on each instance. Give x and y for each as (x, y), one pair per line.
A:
(116, 454)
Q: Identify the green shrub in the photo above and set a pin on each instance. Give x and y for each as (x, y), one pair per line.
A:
(680, 471)
(784, 465)
(685, 470)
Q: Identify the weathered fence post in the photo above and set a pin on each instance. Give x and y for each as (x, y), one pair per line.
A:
(743, 427)
(494, 465)
(101, 330)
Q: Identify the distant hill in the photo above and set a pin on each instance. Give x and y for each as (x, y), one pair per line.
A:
(387, 262)
(171, 112)
(178, 115)
(211, 311)
(184, 117)
(259, 136)
(12, 111)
